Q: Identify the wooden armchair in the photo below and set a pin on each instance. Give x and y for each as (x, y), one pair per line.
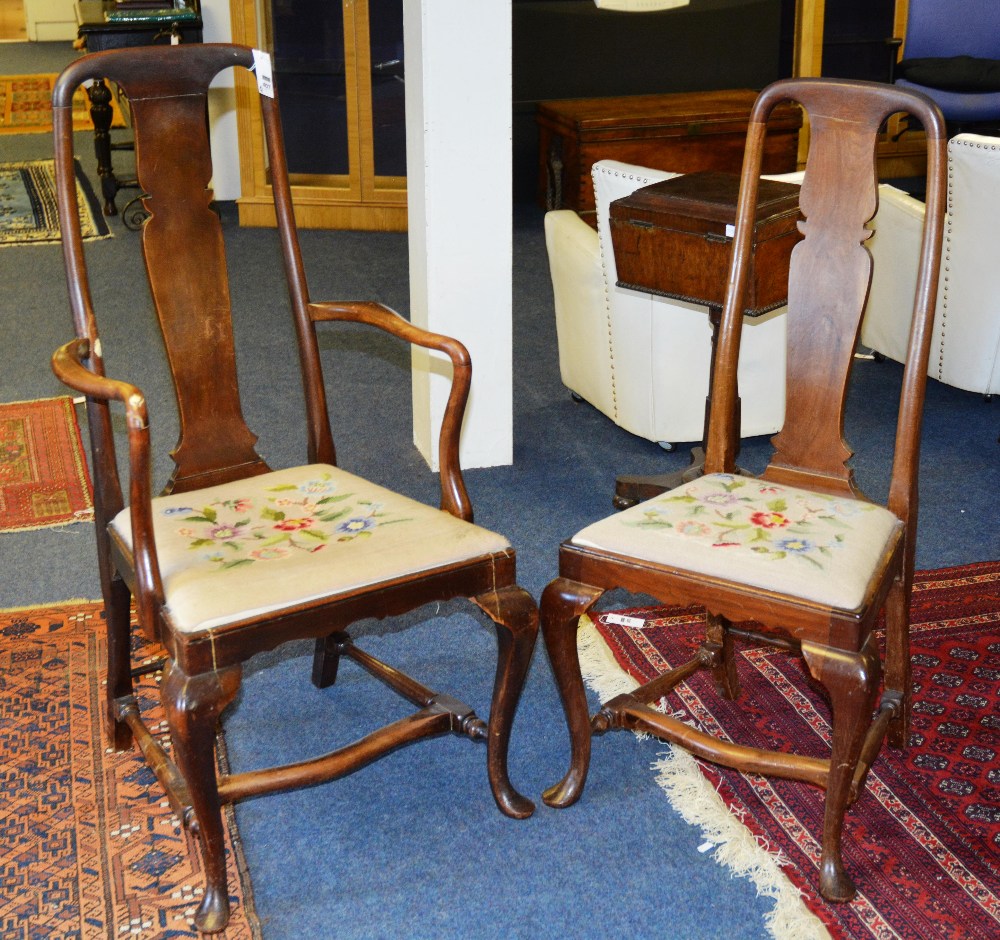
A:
(799, 557)
(234, 558)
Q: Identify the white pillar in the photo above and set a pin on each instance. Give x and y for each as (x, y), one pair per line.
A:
(459, 164)
(222, 106)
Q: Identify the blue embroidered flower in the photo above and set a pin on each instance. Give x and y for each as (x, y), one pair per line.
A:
(800, 546)
(356, 525)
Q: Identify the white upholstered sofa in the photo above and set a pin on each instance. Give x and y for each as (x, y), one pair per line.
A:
(966, 339)
(641, 359)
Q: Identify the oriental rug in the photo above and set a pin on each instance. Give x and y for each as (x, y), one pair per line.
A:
(26, 105)
(43, 472)
(29, 213)
(89, 847)
(922, 843)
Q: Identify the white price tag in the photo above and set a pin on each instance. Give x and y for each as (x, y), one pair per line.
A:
(730, 231)
(262, 69)
(624, 621)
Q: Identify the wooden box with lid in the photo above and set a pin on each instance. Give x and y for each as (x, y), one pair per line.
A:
(675, 238)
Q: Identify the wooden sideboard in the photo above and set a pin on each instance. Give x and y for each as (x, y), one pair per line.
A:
(685, 133)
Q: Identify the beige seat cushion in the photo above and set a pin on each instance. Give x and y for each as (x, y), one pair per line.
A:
(820, 548)
(246, 548)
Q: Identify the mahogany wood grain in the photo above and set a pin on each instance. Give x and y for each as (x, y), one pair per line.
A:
(829, 277)
(182, 244)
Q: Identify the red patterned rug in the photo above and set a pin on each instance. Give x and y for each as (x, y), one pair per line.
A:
(88, 845)
(43, 473)
(923, 841)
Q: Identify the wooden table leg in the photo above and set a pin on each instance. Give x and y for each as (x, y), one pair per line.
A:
(101, 114)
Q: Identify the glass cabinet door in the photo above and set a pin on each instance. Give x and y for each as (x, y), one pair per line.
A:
(340, 78)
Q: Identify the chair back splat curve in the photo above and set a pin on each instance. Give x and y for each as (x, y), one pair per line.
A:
(218, 567)
(799, 557)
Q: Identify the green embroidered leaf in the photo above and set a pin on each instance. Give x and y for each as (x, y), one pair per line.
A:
(282, 488)
(315, 534)
(778, 505)
(199, 543)
(237, 563)
(334, 499)
(333, 516)
(268, 513)
(198, 519)
(210, 514)
(274, 540)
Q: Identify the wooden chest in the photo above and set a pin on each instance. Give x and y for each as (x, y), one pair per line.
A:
(675, 238)
(685, 133)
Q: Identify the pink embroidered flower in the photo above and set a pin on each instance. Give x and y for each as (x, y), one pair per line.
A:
(270, 554)
(720, 499)
(725, 545)
(692, 528)
(242, 505)
(292, 525)
(769, 520)
(224, 533)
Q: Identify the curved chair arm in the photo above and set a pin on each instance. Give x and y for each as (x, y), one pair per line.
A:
(454, 497)
(68, 365)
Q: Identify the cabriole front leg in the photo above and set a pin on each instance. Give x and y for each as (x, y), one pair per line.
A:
(563, 603)
(193, 705)
(516, 617)
(852, 680)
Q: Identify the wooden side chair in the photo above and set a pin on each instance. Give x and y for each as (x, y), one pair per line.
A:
(800, 551)
(233, 557)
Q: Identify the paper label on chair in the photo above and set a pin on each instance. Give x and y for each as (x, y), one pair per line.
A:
(624, 621)
(262, 69)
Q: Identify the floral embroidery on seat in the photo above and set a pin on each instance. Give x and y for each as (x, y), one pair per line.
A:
(726, 511)
(303, 517)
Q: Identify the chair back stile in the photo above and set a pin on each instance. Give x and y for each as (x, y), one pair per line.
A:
(321, 447)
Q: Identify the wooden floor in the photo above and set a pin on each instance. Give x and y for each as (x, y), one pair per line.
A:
(12, 26)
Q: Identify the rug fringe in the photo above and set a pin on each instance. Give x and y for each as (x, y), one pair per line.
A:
(697, 802)
(694, 798)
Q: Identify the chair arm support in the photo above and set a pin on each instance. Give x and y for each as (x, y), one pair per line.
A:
(68, 365)
(454, 497)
